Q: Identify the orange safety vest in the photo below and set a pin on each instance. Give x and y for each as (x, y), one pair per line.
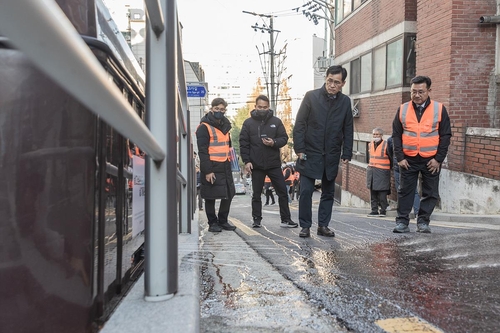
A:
(420, 138)
(291, 177)
(218, 148)
(378, 156)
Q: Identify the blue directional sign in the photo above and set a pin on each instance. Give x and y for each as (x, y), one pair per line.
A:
(196, 91)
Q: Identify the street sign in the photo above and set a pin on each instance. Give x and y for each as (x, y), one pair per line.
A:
(196, 91)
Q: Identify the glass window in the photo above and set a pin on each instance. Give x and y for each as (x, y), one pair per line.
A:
(339, 11)
(355, 76)
(345, 89)
(395, 63)
(357, 3)
(379, 69)
(410, 59)
(366, 72)
(347, 7)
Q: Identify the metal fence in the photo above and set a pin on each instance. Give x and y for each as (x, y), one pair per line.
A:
(37, 27)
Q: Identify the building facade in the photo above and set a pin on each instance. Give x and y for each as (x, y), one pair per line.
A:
(384, 44)
(198, 106)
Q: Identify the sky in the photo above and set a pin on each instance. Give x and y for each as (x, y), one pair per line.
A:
(218, 29)
(214, 29)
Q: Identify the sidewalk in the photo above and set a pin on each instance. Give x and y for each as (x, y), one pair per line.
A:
(182, 312)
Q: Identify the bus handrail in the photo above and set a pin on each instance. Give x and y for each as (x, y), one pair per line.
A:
(52, 43)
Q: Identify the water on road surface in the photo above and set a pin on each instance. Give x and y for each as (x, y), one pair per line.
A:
(366, 279)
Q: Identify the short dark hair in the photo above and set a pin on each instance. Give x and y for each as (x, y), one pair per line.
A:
(219, 101)
(422, 79)
(263, 98)
(337, 69)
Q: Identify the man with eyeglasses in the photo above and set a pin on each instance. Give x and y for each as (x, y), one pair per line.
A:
(261, 137)
(214, 143)
(421, 134)
(322, 136)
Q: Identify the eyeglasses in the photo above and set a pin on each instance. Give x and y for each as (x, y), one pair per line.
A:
(216, 109)
(334, 82)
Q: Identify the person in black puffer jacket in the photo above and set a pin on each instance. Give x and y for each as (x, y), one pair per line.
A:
(214, 143)
(261, 137)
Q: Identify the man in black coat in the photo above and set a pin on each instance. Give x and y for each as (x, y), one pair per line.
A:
(216, 176)
(322, 136)
(261, 137)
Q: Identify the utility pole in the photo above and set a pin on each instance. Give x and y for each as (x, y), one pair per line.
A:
(272, 92)
(271, 51)
(309, 10)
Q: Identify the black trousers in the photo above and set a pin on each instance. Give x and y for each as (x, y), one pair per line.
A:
(325, 203)
(258, 177)
(269, 194)
(379, 198)
(221, 217)
(406, 192)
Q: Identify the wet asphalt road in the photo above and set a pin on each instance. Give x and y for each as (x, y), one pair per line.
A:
(447, 281)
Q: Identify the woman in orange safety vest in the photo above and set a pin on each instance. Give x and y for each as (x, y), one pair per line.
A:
(216, 177)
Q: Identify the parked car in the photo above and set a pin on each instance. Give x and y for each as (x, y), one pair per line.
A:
(240, 188)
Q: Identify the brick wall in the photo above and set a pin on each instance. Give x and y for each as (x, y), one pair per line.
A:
(460, 60)
(458, 53)
(371, 20)
(378, 111)
(354, 181)
(482, 156)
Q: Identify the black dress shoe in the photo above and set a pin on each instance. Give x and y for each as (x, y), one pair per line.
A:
(324, 231)
(305, 232)
(227, 226)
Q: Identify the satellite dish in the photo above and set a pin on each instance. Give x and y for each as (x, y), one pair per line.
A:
(355, 110)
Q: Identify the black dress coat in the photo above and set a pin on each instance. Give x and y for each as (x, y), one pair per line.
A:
(323, 130)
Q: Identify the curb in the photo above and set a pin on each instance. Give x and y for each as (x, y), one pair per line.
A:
(181, 313)
(436, 216)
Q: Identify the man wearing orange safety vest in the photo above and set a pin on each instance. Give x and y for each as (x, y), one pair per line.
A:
(378, 174)
(268, 191)
(289, 175)
(421, 133)
(216, 177)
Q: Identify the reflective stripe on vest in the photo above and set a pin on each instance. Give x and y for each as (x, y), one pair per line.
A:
(218, 148)
(378, 156)
(420, 138)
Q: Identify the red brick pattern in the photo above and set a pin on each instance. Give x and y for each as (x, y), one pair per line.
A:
(371, 20)
(482, 156)
(458, 53)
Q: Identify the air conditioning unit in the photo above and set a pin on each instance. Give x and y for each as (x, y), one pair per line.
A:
(324, 63)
